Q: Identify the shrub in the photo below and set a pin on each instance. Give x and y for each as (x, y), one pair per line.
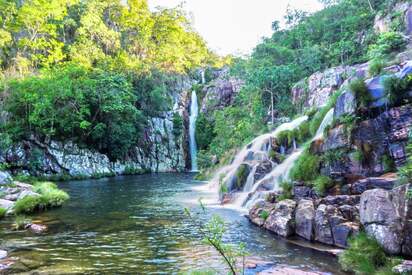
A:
(361, 92)
(322, 184)
(376, 66)
(303, 132)
(388, 164)
(28, 204)
(3, 212)
(306, 167)
(387, 43)
(287, 190)
(364, 256)
(177, 125)
(204, 132)
(264, 215)
(397, 89)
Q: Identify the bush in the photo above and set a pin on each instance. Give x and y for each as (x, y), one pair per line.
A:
(387, 43)
(364, 256)
(361, 92)
(376, 66)
(204, 132)
(3, 212)
(306, 167)
(322, 184)
(28, 204)
(397, 89)
(287, 190)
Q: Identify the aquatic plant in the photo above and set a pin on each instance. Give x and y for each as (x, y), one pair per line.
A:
(212, 232)
(20, 222)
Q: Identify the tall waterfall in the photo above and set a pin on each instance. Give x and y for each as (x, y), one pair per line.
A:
(194, 110)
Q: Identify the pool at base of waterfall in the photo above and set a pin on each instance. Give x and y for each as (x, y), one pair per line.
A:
(137, 225)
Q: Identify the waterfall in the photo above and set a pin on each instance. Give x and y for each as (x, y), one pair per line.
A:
(202, 73)
(194, 110)
(327, 120)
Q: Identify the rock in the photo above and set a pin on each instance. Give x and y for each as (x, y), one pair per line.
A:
(343, 231)
(340, 200)
(337, 138)
(23, 186)
(6, 204)
(281, 219)
(37, 228)
(381, 219)
(3, 254)
(305, 219)
(263, 169)
(362, 185)
(302, 192)
(286, 271)
(237, 181)
(5, 178)
(323, 232)
(349, 212)
(345, 104)
(27, 193)
(403, 268)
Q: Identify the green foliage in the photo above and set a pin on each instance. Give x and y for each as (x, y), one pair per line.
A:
(361, 92)
(387, 43)
(397, 90)
(204, 131)
(376, 66)
(321, 184)
(332, 156)
(212, 232)
(285, 138)
(365, 256)
(287, 190)
(3, 212)
(241, 175)
(306, 168)
(388, 164)
(49, 196)
(264, 215)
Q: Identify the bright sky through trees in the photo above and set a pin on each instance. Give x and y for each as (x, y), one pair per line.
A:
(236, 26)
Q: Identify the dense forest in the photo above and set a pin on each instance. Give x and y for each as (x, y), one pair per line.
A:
(91, 71)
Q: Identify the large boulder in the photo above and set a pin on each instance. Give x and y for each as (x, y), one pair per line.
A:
(323, 231)
(6, 204)
(282, 218)
(345, 104)
(257, 212)
(337, 138)
(343, 231)
(305, 219)
(339, 200)
(262, 169)
(386, 215)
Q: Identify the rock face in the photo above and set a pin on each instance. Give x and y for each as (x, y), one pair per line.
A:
(221, 92)
(305, 219)
(345, 104)
(5, 177)
(281, 219)
(386, 215)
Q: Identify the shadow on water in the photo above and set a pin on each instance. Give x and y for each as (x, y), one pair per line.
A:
(137, 224)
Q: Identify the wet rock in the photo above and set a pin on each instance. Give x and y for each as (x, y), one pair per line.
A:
(237, 181)
(371, 183)
(255, 213)
(37, 228)
(263, 169)
(337, 138)
(281, 219)
(286, 271)
(3, 254)
(403, 268)
(305, 219)
(5, 178)
(27, 193)
(345, 104)
(323, 232)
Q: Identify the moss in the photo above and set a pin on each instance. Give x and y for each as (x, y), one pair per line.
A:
(303, 132)
(365, 256)
(241, 175)
(306, 167)
(28, 204)
(361, 93)
(3, 212)
(332, 156)
(285, 138)
(322, 184)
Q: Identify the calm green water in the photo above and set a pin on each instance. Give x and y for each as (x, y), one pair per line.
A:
(137, 225)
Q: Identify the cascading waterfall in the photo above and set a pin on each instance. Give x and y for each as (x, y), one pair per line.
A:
(256, 151)
(194, 110)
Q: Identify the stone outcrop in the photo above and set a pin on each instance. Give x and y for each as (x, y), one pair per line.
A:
(305, 219)
(386, 215)
(281, 219)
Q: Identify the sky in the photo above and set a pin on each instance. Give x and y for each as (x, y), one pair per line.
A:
(236, 26)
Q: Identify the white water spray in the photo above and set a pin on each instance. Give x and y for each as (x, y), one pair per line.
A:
(194, 110)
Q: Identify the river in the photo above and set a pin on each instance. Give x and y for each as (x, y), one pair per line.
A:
(137, 225)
